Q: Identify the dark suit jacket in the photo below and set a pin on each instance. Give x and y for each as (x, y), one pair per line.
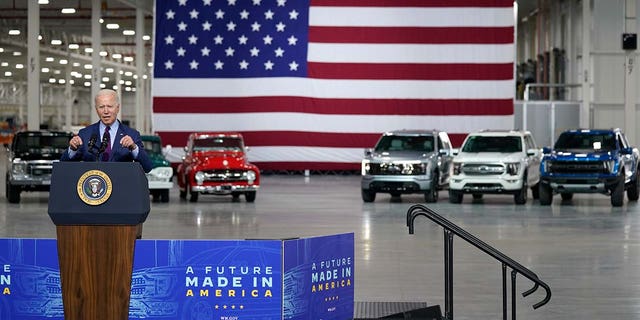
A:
(118, 152)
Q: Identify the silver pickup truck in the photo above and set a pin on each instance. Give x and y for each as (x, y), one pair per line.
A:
(405, 162)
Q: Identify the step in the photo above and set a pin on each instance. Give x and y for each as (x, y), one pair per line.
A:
(395, 310)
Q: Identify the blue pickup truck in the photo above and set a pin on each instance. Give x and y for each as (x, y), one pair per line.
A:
(590, 161)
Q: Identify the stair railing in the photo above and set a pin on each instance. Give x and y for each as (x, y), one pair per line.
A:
(450, 229)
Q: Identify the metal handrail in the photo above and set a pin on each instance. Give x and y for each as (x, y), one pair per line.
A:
(452, 229)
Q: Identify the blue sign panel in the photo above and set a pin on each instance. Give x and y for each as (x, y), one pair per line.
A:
(197, 279)
(319, 278)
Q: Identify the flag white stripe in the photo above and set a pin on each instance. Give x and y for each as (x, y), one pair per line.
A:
(320, 88)
(410, 17)
(411, 53)
(307, 122)
(288, 154)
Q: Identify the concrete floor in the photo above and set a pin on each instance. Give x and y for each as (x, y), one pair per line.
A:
(587, 251)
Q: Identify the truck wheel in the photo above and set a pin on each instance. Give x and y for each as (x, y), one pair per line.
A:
(368, 196)
(566, 195)
(617, 194)
(477, 196)
(546, 197)
(432, 194)
(633, 193)
(164, 195)
(535, 191)
(250, 196)
(13, 193)
(455, 196)
(194, 196)
(521, 196)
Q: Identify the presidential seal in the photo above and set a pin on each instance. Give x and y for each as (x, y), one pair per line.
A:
(94, 187)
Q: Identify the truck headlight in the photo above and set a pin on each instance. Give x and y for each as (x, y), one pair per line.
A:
(365, 167)
(250, 176)
(199, 176)
(457, 168)
(513, 168)
(610, 166)
(19, 167)
(161, 173)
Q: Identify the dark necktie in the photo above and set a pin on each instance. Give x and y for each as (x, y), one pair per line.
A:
(107, 150)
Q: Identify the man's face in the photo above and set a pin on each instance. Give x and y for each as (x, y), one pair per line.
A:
(107, 109)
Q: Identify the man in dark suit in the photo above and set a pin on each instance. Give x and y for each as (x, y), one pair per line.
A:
(108, 139)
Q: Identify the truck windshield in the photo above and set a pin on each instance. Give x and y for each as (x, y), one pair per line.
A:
(588, 141)
(217, 144)
(405, 143)
(41, 144)
(493, 144)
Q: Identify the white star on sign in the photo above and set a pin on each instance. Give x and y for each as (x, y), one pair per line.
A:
(293, 66)
(279, 52)
(255, 26)
(292, 40)
(206, 2)
(268, 65)
(293, 15)
(231, 26)
(219, 64)
(218, 39)
(168, 65)
(244, 14)
(170, 14)
(280, 26)
(229, 52)
(194, 14)
(205, 51)
(243, 39)
(182, 26)
(254, 52)
(268, 39)
(168, 39)
(282, 3)
(268, 15)
(180, 52)
(219, 14)
(244, 65)
(193, 39)
(206, 26)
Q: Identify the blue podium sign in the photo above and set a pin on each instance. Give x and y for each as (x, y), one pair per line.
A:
(310, 278)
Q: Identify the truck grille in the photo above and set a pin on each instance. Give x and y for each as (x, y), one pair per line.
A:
(39, 169)
(578, 167)
(224, 175)
(476, 169)
(395, 169)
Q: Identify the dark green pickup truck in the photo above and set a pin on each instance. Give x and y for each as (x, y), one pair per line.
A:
(161, 176)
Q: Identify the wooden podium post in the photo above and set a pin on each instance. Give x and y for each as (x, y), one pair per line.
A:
(96, 236)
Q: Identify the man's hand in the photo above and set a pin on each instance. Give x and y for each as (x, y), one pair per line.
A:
(128, 143)
(75, 142)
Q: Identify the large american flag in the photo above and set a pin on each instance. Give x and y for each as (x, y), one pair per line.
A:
(312, 83)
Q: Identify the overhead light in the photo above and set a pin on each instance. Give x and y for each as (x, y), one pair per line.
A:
(76, 64)
(43, 1)
(135, 76)
(68, 10)
(127, 83)
(150, 64)
(115, 87)
(61, 81)
(88, 66)
(52, 80)
(17, 53)
(45, 70)
(113, 26)
(116, 56)
(39, 37)
(102, 85)
(87, 76)
(57, 71)
(7, 73)
(56, 42)
(146, 37)
(64, 61)
(71, 81)
(128, 59)
(14, 32)
(4, 64)
(1, 49)
(105, 79)
(88, 50)
(74, 46)
(128, 73)
(49, 59)
(101, 20)
(108, 70)
(87, 84)
(127, 89)
(19, 66)
(128, 32)
(103, 53)
(144, 76)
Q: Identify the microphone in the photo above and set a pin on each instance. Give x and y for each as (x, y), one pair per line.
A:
(92, 142)
(103, 146)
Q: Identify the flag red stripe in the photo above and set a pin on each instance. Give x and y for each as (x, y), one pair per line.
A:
(411, 71)
(434, 107)
(300, 139)
(413, 35)
(412, 3)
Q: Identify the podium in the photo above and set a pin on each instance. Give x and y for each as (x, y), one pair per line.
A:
(98, 208)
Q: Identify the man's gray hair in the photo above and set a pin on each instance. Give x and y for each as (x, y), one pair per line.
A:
(108, 92)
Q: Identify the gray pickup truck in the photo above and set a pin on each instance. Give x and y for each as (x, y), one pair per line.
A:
(30, 161)
(406, 162)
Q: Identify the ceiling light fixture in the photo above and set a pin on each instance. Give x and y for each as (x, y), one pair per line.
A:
(74, 46)
(113, 26)
(116, 56)
(68, 10)
(17, 53)
(43, 1)
(56, 42)
(128, 59)
(14, 32)
(128, 32)
(88, 50)
(146, 37)
(19, 66)
(7, 73)
(103, 53)
(87, 84)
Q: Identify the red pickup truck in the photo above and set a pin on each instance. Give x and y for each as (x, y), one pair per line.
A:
(216, 163)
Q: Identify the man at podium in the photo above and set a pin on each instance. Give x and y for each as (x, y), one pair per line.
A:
(108, 139)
